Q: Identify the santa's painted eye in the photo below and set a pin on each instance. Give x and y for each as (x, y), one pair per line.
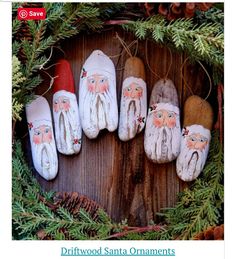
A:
(203, 139)
(37, 132)
(47, 130)
(56, 102)
(91, 81)
(159, 115)
(129, 89)
(102, 80)
(65, 101)
(171, 115)
(193, 139)
(137, 89)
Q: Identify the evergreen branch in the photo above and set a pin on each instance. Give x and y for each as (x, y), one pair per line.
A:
(132, 230)
(204, 42)
(15, 26)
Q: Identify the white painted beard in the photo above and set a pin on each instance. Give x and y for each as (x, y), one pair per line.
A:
(46, 157)
(162, 144)
(190, 162)
(130, 112)
(67, 130)
(97, 113)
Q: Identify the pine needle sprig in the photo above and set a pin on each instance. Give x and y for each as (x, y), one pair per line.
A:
(204, 42)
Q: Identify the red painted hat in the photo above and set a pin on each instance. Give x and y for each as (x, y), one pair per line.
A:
(64, 79)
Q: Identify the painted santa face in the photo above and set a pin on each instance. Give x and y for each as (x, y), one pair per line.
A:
(62, 103)
(133, 91)
(42, 141)
(97, 83)
(162, 134)
(196, 141)
(133, 108)
(97, 95)
(42, 134)
(67, 123)
(164, 118)
(194, 150)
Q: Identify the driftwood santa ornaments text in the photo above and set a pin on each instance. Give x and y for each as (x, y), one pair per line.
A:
(68, 129)
(198, 120)
(42, 141)
(133, 106)
(97, 95)
(163, 133)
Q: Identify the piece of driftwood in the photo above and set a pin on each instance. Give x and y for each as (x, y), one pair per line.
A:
(163, 133)
(42, 140)
(97, 95)
(196, 136)
(133, 104)
(67, 124)
(117, 174)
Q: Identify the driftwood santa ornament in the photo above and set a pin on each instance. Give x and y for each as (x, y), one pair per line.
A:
(133, 105)
(97, 95)
(68, 129)
(196, 135)
(163, 133)
(42, 141)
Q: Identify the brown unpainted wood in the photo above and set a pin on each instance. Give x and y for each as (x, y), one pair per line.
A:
(134, 67)
(198, 111)
(117, 174)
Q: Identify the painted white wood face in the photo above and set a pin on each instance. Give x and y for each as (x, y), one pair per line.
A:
(67, 125)
(194, 150)
(97, 95)
(162, 133)
(133, 108)
(42, 140)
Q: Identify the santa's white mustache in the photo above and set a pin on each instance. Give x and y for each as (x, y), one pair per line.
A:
(66, 127)
(99, 112)
(45, 153)
(190, 163)
(161, 144)
(133, 111)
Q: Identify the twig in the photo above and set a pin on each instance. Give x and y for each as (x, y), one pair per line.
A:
(219, 123)
(116, 22)
(130, 230)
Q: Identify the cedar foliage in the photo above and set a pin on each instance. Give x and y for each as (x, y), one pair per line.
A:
(204, 42)
(17, 80)
(200, 206)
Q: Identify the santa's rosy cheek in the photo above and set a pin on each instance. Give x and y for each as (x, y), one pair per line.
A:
(140, 94)
(191, 144)
(103, 87)
(91, 87)
(135, 95)
(171, 123)
(55, 107)
(157, 122)
(47, 137)
(66, 106)
(200, 145)
(37, 139)
(126, 93)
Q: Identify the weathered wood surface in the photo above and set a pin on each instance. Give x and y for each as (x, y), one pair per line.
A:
(117, 174)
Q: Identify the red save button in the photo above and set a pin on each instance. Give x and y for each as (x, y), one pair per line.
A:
(31, 13)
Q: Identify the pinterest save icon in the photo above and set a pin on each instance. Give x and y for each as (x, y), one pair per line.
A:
(31, 13)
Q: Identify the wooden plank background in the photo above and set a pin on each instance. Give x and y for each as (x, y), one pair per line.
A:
(116, 174)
